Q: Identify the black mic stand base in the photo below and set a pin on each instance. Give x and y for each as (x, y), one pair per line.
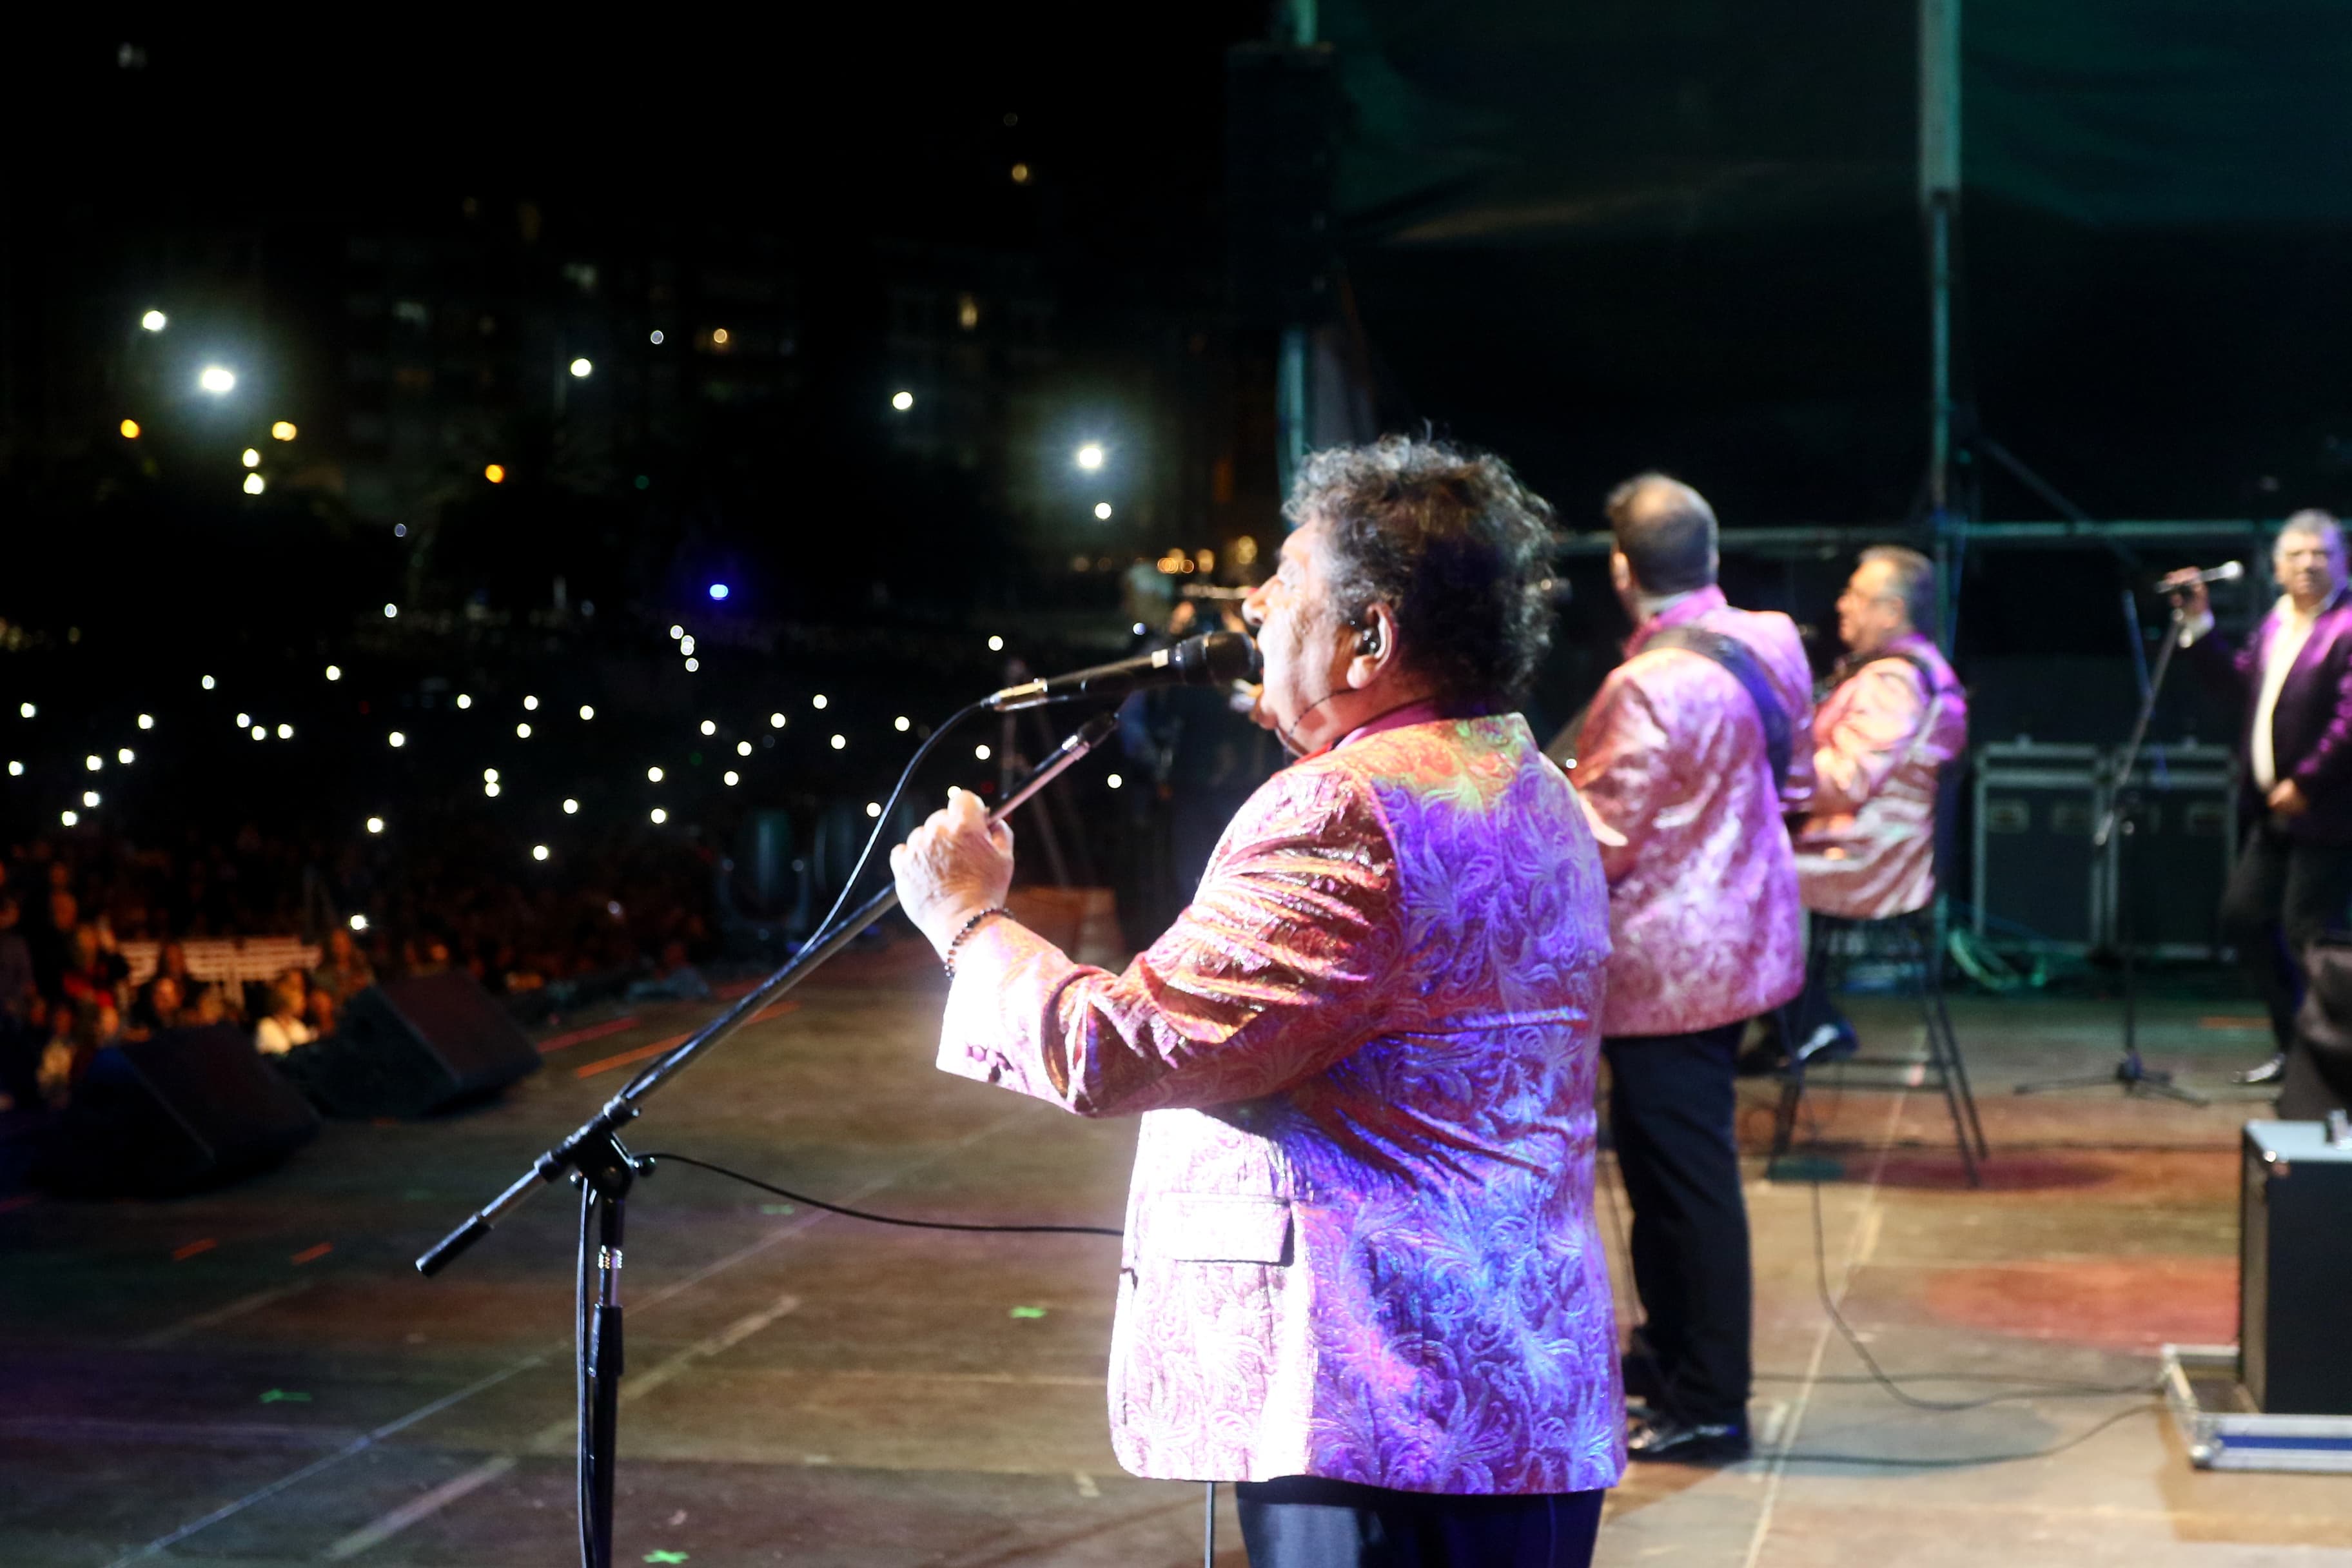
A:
(2136, 1077)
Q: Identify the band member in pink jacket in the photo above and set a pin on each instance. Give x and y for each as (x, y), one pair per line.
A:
(1360, 1277)
(1895, 719)
(1690, 754)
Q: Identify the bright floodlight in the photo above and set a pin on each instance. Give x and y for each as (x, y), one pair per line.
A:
(571, 809)
(1090, 456)
(251, 459)
(902, 401)
(539, 851)
(154, 321)
(1102, 510)
(255, 484)
(581, 368)
(283, 431)
(375, 825)
(718, 590)
(217, 379)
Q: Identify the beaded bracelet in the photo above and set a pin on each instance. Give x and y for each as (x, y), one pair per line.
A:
(969, 927)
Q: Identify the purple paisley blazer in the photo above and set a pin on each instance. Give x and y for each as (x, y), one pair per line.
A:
(1360, 1236)
(1703, 892)
(1882, 739)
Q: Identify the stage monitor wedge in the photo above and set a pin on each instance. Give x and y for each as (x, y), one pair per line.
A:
(410, 1048)
(185, 1109)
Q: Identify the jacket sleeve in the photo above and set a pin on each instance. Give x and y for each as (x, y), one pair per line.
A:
(1624, 766)
(1877, 725)
(2329, 761)
(1277, 971)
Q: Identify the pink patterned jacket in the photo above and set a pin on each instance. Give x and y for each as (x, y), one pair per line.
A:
(1704, 922)
(1359, 1235)
(1882, 737)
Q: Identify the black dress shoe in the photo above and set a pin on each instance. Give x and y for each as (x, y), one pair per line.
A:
(2270, 1071)
(1658, 1439)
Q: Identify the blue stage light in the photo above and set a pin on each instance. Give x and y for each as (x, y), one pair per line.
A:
(718, 590)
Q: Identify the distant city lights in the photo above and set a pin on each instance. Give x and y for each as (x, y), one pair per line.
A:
(902, 401)
(334, 672)
(154, 321)
(496, 473)
(250, 458)
(217, 379)
(375, 825)
(581, 369)
(255, 484)
(1090, 456)
(718, 590)
(130, 428)
(283, 431)
(539, 851)
(571, 808)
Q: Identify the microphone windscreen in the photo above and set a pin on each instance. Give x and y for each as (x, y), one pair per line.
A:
(1216, 658)
(2228, 571)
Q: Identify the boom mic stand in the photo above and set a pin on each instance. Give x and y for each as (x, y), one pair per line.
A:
(596, 1163)
(2123, 818)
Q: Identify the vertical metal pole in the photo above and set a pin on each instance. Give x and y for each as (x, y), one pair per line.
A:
(1293, 372)
(1939, 196)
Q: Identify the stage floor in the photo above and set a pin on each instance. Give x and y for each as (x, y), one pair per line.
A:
(258, 1376)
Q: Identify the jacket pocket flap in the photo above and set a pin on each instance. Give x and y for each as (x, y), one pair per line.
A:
(1217, 1228)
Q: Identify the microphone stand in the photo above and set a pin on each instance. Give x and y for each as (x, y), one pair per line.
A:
(594, 1158)
(2123, 817)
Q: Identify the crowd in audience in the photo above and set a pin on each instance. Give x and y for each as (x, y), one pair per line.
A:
(68, 905)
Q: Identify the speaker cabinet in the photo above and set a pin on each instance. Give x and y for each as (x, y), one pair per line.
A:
(2294, 1274)
(185, 1109)
(409, 1048)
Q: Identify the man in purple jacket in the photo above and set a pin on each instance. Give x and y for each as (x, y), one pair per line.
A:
(2293, 878)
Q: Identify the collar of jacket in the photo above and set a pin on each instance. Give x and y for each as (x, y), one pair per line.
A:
(1689, 607)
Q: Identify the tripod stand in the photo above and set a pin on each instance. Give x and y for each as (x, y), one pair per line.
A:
(2123, 818)
(594, 1158)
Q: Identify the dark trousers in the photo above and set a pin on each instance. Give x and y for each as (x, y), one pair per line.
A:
(1306, 1521)
(2282, 894)
(1670, 1112)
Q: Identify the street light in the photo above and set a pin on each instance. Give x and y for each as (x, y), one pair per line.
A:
(217, 379)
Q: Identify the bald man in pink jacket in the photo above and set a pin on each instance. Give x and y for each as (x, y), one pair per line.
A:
(1692, 752)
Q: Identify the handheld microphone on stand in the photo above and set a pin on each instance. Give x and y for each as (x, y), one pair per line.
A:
(2228, 572)
(1212, 658)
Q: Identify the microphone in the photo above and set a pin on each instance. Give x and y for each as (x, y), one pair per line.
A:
(2228, 572)
(1212, 658)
